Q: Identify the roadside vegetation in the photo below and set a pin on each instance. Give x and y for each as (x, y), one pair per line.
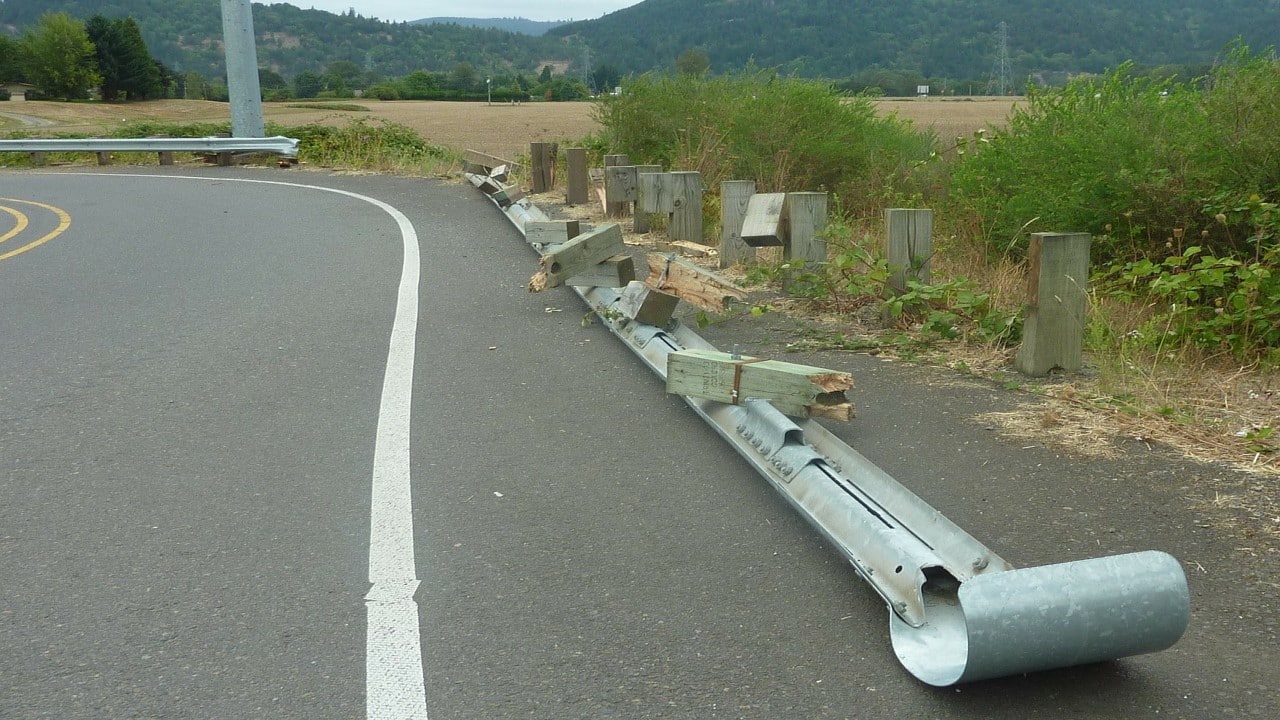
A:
(1177, 180)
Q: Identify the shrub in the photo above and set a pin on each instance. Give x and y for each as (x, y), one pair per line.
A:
(784, 133)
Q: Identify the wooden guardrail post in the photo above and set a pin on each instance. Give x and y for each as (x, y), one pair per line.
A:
(640, 223)
(104, 158)
(1053, 332)
(542, 159)
(620, 187)
(686, 201)
(909, 238)
(576, 164)
(735, 195)
(806, 216)
(39, 158)
(614, 209)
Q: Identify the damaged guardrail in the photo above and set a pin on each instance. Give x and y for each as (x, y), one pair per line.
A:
(958, 612)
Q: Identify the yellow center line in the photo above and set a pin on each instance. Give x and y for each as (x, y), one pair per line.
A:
(64, 222)
(19, 218)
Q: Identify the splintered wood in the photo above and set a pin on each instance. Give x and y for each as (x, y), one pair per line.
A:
(577, 255)
(795, 390)
(693, 284)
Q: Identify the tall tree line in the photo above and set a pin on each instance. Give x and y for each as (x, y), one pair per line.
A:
(66, 58)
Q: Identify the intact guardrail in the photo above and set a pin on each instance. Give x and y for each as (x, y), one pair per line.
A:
(278, 145)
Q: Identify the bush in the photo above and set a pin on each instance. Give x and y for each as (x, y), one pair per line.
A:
(1134, 161)
(785, 133)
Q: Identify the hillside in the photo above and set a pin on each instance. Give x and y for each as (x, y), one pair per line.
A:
(838, 39)
(515, 25)
(936, 38)
(186, 35)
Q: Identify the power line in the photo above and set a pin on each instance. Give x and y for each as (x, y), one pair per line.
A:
(1000, 69)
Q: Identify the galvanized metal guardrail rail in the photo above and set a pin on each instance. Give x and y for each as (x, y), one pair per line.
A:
(958, 612)
(277, 145)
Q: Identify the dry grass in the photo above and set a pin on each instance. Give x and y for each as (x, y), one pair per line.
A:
(500, 129)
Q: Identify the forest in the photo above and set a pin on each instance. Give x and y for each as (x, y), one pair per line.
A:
(888, 46)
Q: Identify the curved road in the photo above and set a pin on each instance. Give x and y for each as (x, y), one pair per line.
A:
(195, 429)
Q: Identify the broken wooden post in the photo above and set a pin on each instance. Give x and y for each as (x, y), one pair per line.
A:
(542, 159)
(640, 223)
(693, 284)
(39, 158)
(806, 217)
(762, 226)
(620, 186)
(795, 390)
(686, 217)
(104, 158)
(614, 272)
(1053, 331)
(543, 233)
(646, 304)
(655, 193)
(166, 157)
(576, 165)
(480, 163)
(577, 255)
(909, 238)
(734, 197)
(614, 209)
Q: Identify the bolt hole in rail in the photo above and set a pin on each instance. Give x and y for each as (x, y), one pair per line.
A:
(958, 612)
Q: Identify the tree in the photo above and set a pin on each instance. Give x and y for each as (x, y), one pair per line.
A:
(606, 78)
(58, 57)
(10, 68)
(308, 84)
(463, 77)
(124, 64)
(693, 62)
(348, 72)
(545, 76)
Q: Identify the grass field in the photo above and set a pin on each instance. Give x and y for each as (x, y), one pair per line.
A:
(503, 130)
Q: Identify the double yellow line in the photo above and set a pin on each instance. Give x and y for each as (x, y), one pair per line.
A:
(21, 222)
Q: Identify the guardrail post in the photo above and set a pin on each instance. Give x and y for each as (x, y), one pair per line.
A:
(686, 217)
(614, 209)
(104, 158)
(166, 157)
(620, 186)
(576, 166)
(806, 218)
(909, 238)
(734, 196)
(640, 223)
(1053, 332)
(542, 161)
(39, 158)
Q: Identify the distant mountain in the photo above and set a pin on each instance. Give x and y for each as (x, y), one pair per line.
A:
(186, 35)
(944, 38)
(515, 25)
(836, 39)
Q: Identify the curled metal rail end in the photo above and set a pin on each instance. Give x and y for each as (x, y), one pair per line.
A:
(958, 612)
(1042, 618)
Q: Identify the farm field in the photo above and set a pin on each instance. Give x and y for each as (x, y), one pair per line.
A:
(502, 130)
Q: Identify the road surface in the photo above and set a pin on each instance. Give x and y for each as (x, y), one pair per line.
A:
(192, 411)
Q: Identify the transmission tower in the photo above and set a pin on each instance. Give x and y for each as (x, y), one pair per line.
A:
(588, 77)
(1000, 69)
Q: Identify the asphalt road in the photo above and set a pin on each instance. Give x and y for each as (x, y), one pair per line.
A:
(190, 379)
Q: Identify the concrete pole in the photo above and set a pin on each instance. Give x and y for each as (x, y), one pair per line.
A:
(242, 69)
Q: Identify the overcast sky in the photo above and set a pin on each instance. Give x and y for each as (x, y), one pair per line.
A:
(398, 10)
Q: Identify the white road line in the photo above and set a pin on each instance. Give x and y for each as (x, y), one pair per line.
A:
(394, 686)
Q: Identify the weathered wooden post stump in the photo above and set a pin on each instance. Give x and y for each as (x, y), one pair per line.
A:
(806, 217)
(686, 215)
(735, 195)
(614, 209)
(641, 222)
(1053, 332)
(576, 165)
(909, 246)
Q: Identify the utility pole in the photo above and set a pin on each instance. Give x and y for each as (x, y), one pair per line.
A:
(1000, 71)
(242, 69)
